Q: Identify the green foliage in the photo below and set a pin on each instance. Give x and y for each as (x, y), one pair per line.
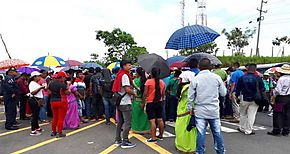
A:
(238, 39)
(95, 59)
(206, 48)
(281, 42)
(120, 45)
(243, 60)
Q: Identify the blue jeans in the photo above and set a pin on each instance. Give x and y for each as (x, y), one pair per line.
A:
(88, 106)
(173, 102)
(109, 108)
(43, 109)
(215, 126)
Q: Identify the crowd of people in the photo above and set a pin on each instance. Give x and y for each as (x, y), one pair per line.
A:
(193, 98)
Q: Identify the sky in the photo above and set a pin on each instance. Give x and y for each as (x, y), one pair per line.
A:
(66, 28)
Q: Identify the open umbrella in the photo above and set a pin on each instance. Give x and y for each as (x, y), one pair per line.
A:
(178, 65)
(113, 65)
(190, 37)
(174, 59)
(5, 64)
(198, 56)
(27, 70)
(73, 63)
(49, 61)
(93, 65)
(148, 61)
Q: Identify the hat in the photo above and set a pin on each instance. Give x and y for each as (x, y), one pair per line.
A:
(12, 69)
(266, 73)
(187, 76)
(62, 74)
(34, 73)
(285, 69)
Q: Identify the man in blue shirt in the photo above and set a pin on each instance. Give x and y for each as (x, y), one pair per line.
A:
(193, 64)
(246, 90)
(238, 73)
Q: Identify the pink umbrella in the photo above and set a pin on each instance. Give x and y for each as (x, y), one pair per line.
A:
(178, 65)
(73, 63)
(5, 64)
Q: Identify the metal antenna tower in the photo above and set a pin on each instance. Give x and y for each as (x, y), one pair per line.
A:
(182, 5)
(201, 15)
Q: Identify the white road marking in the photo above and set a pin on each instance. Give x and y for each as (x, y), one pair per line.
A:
(235, 124)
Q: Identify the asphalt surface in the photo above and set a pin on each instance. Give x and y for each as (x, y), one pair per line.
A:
(96, 137)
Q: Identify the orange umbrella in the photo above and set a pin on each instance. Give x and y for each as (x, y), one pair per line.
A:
(5, 64)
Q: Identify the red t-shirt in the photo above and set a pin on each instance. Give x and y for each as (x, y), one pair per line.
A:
(151, 89)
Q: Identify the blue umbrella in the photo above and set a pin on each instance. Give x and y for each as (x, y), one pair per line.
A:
(174, 59)
(93, 65)
(190, 37)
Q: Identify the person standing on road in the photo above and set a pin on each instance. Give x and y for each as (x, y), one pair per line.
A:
(10, 93)
(205, 90)
(268, 83)
(140, 122)
(35, 101)
(58, 100)
(281, 114)
(123, 84)
(245, 94)
(23, 91)
(223, 74)
(43, 108)
(106, 84)
(238, 73)
(153, 96)
(185, 140)
(97, 107)
(172, 92)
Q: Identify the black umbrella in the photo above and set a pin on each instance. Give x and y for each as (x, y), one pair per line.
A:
(198, 56)
(149, 61)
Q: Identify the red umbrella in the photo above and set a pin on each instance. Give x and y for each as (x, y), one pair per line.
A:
(178, 64)
(73, 63)
(5, 64)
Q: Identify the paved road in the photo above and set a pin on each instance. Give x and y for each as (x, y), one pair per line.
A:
(96, 137)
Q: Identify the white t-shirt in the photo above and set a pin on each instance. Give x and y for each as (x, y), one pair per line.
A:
(33, 86)
(126, 100)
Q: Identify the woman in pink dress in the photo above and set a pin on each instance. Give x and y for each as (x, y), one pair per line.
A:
(72, 120)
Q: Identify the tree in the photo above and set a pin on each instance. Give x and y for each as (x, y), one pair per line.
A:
(120, 45)
(95, 59)
(281, 42)
(238, 39)
(205, 48)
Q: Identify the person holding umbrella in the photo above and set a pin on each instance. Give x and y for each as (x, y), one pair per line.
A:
(153, 97)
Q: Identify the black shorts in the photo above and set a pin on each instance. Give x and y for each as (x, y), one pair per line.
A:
(154, 110)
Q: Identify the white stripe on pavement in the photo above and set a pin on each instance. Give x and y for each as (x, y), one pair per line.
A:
(235, 124)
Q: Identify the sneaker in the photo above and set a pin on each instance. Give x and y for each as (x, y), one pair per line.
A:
(93, 119)
(12, 128)
(35, 133)
(53, 134)
(60, 135)
(39, 130)
(118, 143)
(271, 114)
(159, 138)
(127, 145)
(150, 140)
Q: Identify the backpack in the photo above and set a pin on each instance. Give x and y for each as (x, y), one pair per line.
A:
(116, 98)
(95, 80)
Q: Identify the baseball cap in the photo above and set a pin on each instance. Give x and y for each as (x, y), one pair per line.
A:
(34, 73)
(62, 74)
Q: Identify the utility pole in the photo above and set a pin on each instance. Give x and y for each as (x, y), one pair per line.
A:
(259, 25)
(182, 5)
(5, 46)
